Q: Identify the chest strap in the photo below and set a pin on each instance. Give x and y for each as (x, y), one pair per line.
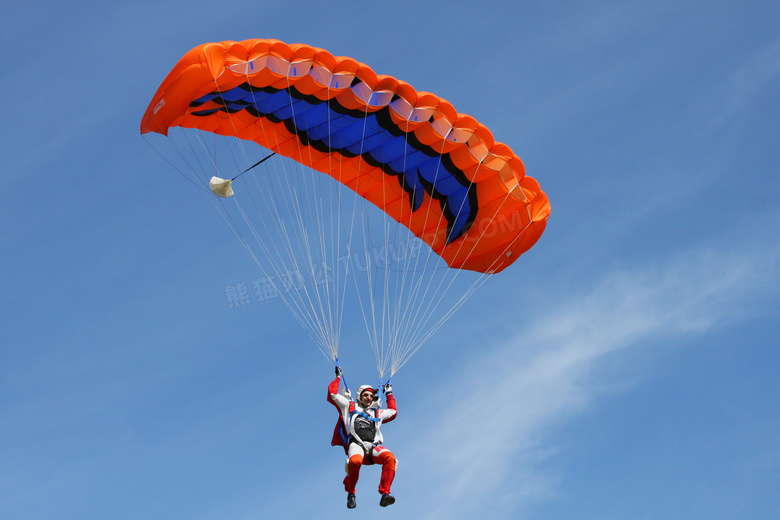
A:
(364, 415)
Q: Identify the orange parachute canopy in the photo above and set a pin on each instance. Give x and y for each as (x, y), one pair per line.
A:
(436, 171)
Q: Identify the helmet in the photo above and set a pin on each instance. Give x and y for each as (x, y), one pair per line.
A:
(363, 388)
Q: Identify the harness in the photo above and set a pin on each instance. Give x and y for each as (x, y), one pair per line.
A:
(367, 450)
(346, 438)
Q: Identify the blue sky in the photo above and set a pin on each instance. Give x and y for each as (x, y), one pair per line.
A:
(624, 368)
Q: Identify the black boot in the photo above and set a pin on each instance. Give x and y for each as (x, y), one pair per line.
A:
(386, 500)
(351, 502)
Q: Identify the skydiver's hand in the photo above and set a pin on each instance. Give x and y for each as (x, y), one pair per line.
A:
(388, 388)
(339, 373)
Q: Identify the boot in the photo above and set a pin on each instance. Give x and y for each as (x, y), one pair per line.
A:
(351, 502)
(386, 500)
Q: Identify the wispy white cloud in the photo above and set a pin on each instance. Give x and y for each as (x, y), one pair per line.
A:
(749, 81)
(483, 455)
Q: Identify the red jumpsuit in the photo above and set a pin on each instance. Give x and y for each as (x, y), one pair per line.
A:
(360, 451)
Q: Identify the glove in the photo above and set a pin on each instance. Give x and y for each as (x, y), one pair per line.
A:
(339, 373)
(388, 388)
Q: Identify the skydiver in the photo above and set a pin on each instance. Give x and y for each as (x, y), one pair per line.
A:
(358, 432)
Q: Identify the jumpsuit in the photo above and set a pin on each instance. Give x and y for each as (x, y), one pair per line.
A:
(363, 447)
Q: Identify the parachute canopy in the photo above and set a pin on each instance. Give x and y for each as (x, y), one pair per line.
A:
(435, 171)
(417, 207)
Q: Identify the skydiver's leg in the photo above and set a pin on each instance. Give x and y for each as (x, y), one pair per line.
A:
(355, 455)
(386, 458)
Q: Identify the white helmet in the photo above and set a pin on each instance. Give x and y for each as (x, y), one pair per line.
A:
(363, 388)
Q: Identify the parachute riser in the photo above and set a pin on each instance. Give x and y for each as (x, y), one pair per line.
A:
(387, 384)
(343, 379)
